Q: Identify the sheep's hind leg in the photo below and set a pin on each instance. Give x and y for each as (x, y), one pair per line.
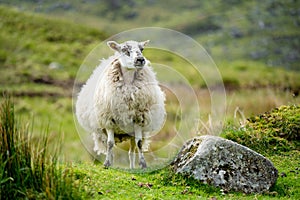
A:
(131, 153)
(110, 144)
(138, 142)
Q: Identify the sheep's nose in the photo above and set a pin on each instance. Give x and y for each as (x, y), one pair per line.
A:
(139, 61)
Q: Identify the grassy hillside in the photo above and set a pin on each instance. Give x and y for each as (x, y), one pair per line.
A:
(40, 51)
(40, 57)
(265, 31)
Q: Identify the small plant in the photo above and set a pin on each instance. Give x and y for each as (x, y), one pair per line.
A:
(272, 132)
(26, 171)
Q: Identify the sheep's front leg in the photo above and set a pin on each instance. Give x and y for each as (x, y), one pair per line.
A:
(110, 144)
(131, 153)
(138, 142)
(96, 143)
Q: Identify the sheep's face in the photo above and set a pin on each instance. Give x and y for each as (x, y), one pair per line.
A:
(131, 56)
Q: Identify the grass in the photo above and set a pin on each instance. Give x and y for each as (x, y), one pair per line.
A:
(30, 43)
(103, 183)
(40, 109)
(266, 32)
(27, 169)
(164, 184)
(45, 94)
(269, 133)
(288, 182)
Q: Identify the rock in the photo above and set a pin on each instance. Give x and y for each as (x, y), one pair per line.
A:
(225, 164)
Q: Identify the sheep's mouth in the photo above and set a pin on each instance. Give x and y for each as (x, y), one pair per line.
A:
(139, 66)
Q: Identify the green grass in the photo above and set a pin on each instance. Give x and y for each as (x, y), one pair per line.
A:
(29, 168)
(45, 94)
(269, 133)
(31, 42)
(263, 31)
(246, 74)
(288, 182)
(103, 183)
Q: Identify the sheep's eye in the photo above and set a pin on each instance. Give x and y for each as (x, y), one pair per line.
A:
(141, 48)
(126, 52)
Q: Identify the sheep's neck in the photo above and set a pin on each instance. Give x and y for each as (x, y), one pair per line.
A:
(129, 76)
(124, 75)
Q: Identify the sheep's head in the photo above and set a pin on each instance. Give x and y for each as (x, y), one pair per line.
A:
(131, 56)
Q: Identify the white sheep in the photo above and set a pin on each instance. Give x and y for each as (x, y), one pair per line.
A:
(122, 100)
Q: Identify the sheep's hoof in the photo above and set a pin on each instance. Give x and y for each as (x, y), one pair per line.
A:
(107, 164)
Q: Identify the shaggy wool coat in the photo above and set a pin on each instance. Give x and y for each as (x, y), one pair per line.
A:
(116, 98)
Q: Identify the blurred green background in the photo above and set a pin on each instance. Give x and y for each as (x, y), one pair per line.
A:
(255, 44)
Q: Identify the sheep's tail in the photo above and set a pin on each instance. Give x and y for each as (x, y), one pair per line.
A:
(99, 143)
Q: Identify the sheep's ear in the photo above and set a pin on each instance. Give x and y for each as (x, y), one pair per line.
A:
(144, 43)
(114, 45)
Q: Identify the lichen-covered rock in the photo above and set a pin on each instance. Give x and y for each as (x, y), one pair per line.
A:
(226, 164)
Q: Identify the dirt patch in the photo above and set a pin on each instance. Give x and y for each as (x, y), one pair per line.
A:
(37, 94)
(48, 80)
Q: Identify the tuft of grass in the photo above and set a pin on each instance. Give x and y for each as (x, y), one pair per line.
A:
(272, 132)
(26, 169)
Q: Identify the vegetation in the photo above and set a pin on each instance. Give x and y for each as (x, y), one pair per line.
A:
(274, 134)
(230, 30)
(42, 88)
(39, 59)
(41, 54)
(27, 169)
(270, 133)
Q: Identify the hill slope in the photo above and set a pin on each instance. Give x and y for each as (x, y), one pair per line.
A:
(266, 31)
(30, 44)
(38, 50)
(39, 59)
(40, 56)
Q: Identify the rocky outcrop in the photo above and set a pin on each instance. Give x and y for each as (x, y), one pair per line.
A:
(225, 164)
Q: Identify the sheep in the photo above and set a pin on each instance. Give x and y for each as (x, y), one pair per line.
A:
(122, 101)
